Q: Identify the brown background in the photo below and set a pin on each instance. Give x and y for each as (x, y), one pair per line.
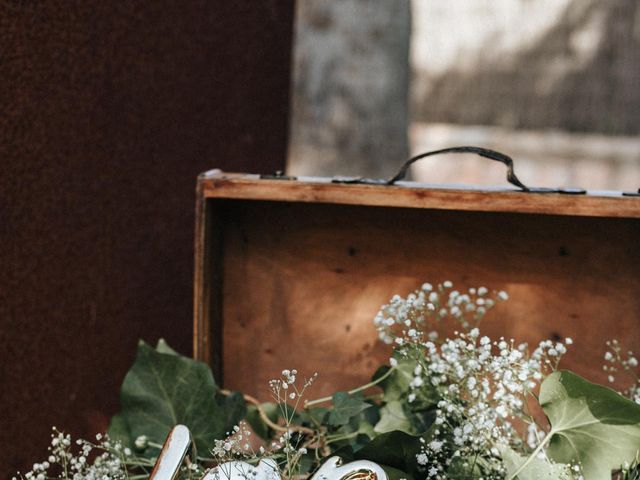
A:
(108, 112)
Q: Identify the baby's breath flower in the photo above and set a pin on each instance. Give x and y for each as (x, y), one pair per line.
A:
(410, 319)
(622, 368)
(141, 442)
(105, 460)
(483, 384)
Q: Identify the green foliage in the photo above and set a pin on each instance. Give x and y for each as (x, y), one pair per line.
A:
(398, 413)
(397, 450)
(393, 418)
(536, 469)
(163, 347)
(233, 408)
(479, 393)
(164, 389)
(345, 406)
(633, 473)
(259, 427)
(119, 430)
(590, 424)
(317, 416)
(396, 385)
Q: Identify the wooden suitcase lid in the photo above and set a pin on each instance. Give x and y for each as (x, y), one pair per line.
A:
(597, 203)
(290, 273)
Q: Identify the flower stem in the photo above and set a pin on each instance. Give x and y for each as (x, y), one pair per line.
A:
(267, 421)
(533, 455)
(351, 392)
(337, 438)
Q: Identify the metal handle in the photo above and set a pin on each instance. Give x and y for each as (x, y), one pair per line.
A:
(483, 152)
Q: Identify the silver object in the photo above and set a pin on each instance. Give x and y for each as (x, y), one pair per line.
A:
(358, 470)
(267, 469)
(177, 445)
(172, 455)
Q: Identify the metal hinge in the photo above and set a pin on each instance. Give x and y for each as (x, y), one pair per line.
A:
(358, 180)
(277, 175)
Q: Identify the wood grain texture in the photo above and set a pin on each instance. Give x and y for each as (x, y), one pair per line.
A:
(109, 111)
(303, 279)
(412, 195)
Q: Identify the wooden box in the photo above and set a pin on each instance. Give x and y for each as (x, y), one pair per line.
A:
(290, 272)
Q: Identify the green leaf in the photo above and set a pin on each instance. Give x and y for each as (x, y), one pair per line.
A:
(364, 423)
(119, 430)
(395, 474)
(590, 424)
(398, 414)
(318, 415)
(163, 347)
(257, 424)
(537, 469)
(345, 406)
(394, 449)
(235, 408)
(392, 418)
(396, 385)
(464, 468)
(162, 390)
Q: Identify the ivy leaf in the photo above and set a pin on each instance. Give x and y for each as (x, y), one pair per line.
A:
(119, 431)
(396, 385)
(398, 414)
(397, 450)
(590, 424)
(364, 423)
(345, 406)
(359, 431)
(162, 390)
(318, 415)
(234, 407)
(537, 469)
(257, 424)
(163, 347)
(465, 468)
(395, 474)
(393, 418)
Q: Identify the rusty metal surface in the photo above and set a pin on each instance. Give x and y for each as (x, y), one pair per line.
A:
(109, 111)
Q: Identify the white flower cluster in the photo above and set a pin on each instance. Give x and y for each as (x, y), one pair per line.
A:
(109, 464)
(407, 319)
(483, 384)
(289, 395)
(285, 389)
(237, 444)
(626, 364)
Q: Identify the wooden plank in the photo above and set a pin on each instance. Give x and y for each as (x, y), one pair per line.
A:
(301, 282)
(408, 195)
(208, 315)
(200, 283)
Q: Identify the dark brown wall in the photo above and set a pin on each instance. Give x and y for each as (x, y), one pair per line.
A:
(108, 110)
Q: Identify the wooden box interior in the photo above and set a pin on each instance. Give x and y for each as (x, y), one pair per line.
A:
(296, 284)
